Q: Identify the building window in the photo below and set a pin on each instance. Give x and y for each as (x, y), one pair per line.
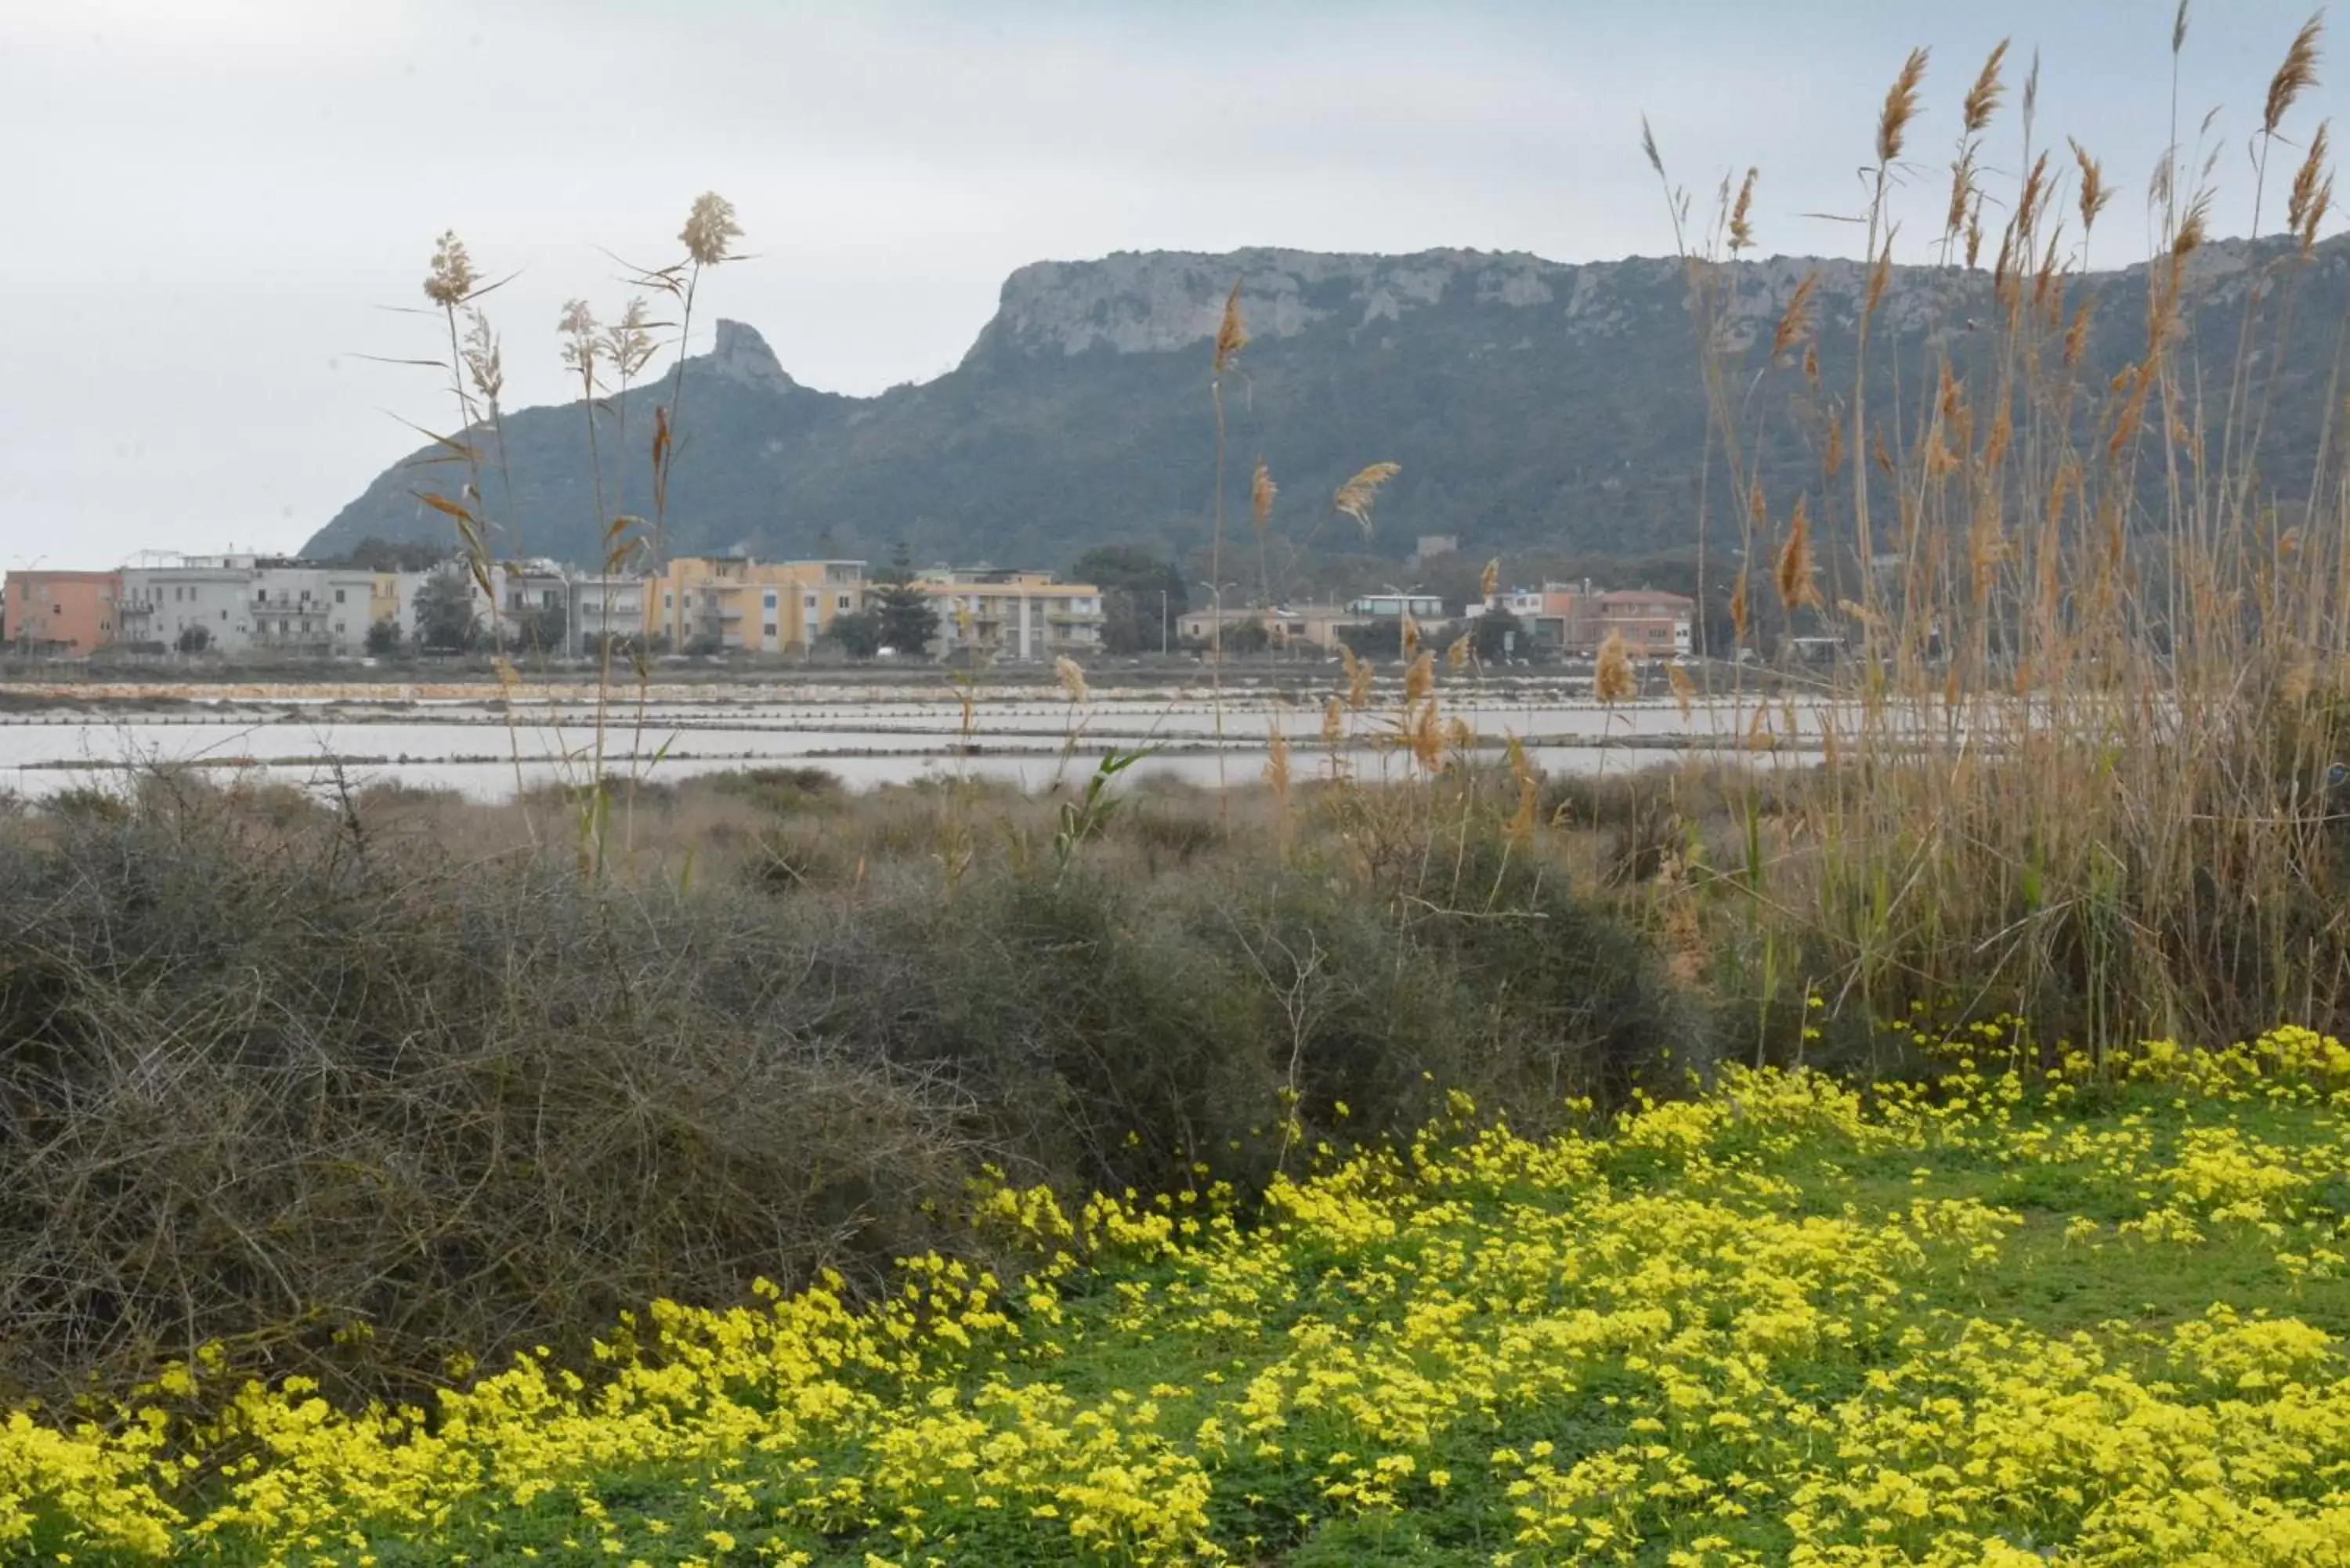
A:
(338, 598)
(771, 628)
(842, 602)
(771, 598)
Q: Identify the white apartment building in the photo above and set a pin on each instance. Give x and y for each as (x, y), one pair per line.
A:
(245, 603)
(603, 607)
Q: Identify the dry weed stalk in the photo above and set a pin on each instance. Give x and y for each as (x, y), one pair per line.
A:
(1612, 679)
(1355, 497)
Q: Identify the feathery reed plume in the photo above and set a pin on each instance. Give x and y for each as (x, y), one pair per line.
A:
(2192, 228)
(1334, 721)
(1738, 608)
(1355, 497)
(2313, 192)
(1963, 191)
(1426, 736)
(1456, 656)
(1489, 581)
(2178, 28)
(1612, 680)
(1982, 99)
(2095, 192)
(1901, 107)
(1741, 227)
(2296, 76)
(1795, 321)
(1649, 148)
(2076, 337)
(1410, 635)
(1831, 459)
(484, 363)
(629, 342)
(1879, 277)
(1231, 336)
(1794, 571)
(1759, 737)
(1262, 490)
(709, 226)
(1684, 689)
(1419, 679)
(1996, 439)
(1071, 676)
(452, 278)
(1520, 828)
(1755, 509)
(1812, 364)
(1358, 676)
(583, 347)
(1276, 765)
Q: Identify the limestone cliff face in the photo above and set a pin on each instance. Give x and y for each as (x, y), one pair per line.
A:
(1158, 301)
(740, 354)
(1148, 302)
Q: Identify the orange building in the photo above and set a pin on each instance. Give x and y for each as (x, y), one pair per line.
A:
(70, 613)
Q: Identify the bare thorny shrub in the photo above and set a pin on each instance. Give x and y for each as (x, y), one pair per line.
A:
(363, 1091)
(2079, 766)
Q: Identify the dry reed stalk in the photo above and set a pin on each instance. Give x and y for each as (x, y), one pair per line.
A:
(1334, 721)
(1982, 99)
(2313, 192)
(1262, 490)
(1901, 107)
(1424, 735)
(2294, 75)
(1358, 676)
(1355, 497)
(1612, 680)
(1741, 227)
(1795, 574)
(1795, 322)
(1419, 677)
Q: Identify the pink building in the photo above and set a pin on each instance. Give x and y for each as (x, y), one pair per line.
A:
(68, 613)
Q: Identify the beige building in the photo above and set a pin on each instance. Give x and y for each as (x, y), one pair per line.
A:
(1575, 618)
(996, 613)
(733, 602)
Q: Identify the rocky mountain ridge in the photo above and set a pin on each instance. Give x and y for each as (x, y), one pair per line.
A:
(1528, 401)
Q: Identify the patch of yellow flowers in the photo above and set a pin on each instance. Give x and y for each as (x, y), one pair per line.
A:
(1781, 1321)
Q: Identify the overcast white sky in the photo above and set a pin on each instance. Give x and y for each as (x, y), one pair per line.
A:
(207, 202)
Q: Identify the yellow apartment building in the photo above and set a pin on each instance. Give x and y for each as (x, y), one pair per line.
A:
(999, 613)
(734, 602)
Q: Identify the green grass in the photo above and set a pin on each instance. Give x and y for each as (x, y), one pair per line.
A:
(1983, 1217)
